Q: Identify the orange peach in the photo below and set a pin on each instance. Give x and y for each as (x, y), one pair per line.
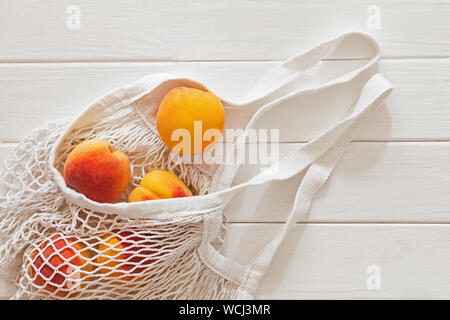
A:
(185, 108)
(60, 265)
(125, 255)
(159, 184)
(94, 169)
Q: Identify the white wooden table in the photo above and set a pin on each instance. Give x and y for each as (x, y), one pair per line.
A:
(396, 227)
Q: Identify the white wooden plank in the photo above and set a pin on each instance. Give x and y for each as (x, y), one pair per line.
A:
(330, 261)
(213, 29)
(36, 93)
(417, 109)
(373, 182)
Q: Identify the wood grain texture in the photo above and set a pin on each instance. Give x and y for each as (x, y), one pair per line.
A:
(387, 202)
(330, 261)
(214, 29)
(386, 182)
(418, 108)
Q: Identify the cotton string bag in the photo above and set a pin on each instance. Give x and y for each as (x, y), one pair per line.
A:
(176, 242)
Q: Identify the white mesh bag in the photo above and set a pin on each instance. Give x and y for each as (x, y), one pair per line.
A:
(160, 249)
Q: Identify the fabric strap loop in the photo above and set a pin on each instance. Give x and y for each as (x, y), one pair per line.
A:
(294, 67)
(374, 92)
(322, 154)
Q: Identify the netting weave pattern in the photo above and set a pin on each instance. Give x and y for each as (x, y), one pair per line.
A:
(105, 255)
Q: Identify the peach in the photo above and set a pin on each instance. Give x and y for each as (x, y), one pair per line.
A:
(94, 169)
(159, 184)
(60, 264)
(181, 108)
(125, 255)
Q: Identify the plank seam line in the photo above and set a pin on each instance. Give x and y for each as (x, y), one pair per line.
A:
(61, 61)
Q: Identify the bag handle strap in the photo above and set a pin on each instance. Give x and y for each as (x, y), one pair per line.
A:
(375, 91)
(291, 69)
(321, 155)
(267, 94)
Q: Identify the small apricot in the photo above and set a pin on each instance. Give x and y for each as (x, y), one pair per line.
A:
(159, 184)
(196, 112)
(125, 255)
